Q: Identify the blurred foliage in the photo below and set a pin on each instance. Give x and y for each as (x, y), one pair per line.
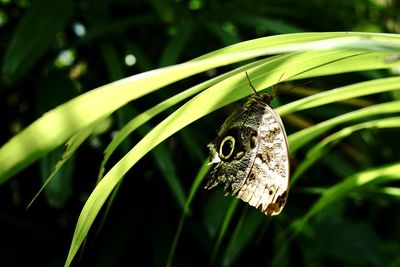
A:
(52, 51)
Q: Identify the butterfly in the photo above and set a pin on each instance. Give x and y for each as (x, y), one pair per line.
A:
(250, 155)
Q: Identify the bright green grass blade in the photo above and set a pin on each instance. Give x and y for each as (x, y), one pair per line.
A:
(301, 138)
(195, 186)
(351, 184)
(391, 192)
(323, 147)
(56, 126)
(342, 93)
(286, 43)
(225, 92)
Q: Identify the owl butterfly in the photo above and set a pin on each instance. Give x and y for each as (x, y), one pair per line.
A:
(250, 155)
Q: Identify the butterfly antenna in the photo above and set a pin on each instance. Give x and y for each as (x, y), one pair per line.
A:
(252, 87)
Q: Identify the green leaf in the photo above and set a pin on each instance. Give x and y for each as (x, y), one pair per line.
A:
(301, 138)
(339, 94)
(78, 113)
(323, 147)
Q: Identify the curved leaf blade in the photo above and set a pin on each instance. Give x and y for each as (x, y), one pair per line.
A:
(56, 126)
(323, 147)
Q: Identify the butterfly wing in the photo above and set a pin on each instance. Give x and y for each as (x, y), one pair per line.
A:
(267, 184)
(231, 171)
(250, 156)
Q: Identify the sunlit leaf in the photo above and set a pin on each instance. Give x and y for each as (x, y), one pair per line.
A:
(323, 147)
(78, 113)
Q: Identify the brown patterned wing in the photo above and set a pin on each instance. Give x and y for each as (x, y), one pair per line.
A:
(267, 184)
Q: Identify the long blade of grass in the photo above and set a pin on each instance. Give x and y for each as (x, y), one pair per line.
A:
(56, 126)
(342, 93)
(323, 147)
(391, 192)
(301, 138)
